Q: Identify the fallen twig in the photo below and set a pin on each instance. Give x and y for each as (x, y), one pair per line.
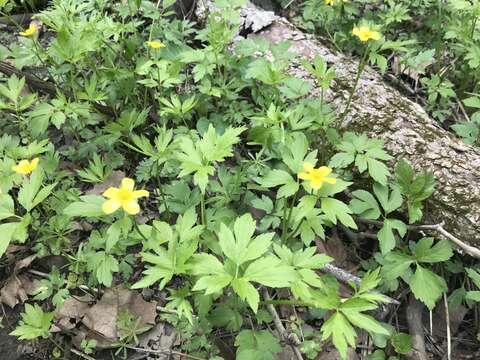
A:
(289, 337)
(164, 352)
(468, 249)
(346, 277)
(81, 354)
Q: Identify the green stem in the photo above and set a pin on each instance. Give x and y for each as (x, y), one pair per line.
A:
(286, 219)
(474, 25)
(162, 194)
(202, 210)
(137, 228)
(289, 302)
(361, 66)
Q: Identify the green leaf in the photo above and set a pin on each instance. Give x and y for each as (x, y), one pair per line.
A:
(378, 171)
(342, 333)
(473, 296)
(396, 265)
(35, 323)
(256, 345)
(376, 355)
(7, 208)
(246, 291)
(7, 230)
(386, 236)
(426, 253)
(30, 188)
(427, 286)
(335, 209)
(103, 265)
(389, 201)
(474, 275)
(365, 322)
(212, 283)
(243, 247)
(88, 206)
(365, 205)
(341, 160)
(274, 178)
(294, 88)
(227, 317)
(402, 343)
(269, 271)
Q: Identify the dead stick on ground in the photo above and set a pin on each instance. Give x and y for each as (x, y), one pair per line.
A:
(468, 249)
(81, 354)
(164, 352)
(346, 277)
(285, 335)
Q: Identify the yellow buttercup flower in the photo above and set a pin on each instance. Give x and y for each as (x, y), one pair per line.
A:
(32, 29)
(316, 176)
(124, 197)
(25, 167)
(155, 44)
(364, 33)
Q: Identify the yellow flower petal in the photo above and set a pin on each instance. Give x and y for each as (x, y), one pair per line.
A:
(110, 206)
(131, 207)
(34, 163)
(304, 176)
(155, 44)
(111, 193)
(32, 29)
(323, 171)
(316, 184)
(308, 167)
(23, 167)
(128, 184)
(140, 193)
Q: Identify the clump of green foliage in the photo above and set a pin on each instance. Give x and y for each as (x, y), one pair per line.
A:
(433, 45)
(234, 190)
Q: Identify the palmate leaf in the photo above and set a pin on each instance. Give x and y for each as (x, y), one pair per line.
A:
(427, 286)
(240, 246)
(88, 206)
(343, 334)
(213, 276)
(364, 153)
(198, 158)
(426, 252)
(288, 185)
(335, 209)
(7, 208)
(256, 345)
(35, 323)
(247, 292)
(270, 271)
(365, 205)
(386, 236)
(32, 193)
(365, 322)
(7, 232)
